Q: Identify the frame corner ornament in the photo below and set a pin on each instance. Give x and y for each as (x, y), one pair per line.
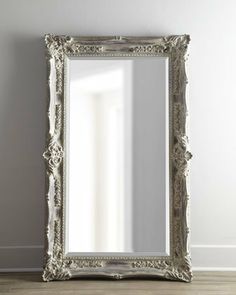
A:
(164, 45)
(176, 266)
(60, 46)
(55, 268)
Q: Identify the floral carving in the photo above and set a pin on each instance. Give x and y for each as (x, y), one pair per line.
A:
(181, 155)
(158, 264)
(55, 49)
(76, 48)
(75, 264)
(178, 274)
(55, 268)
(53, 155)
(149, 49)
(176, 270)
(164, 45)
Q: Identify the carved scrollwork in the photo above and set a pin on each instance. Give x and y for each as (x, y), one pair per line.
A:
(158, 264)
(77, 264)
(53, 154)
(178, 274)
(86, 49)
(149, 49)
(55, 49)
(58, 46)
(164, 45)
(180, 270)
(181, 155)
(56, 268)
(173, 270)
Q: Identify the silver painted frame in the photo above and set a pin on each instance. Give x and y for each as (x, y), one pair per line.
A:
(58, 266)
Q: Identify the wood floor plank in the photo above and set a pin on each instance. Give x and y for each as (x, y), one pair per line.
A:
(204, 283)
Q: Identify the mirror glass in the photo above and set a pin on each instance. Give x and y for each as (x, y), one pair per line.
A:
(117, 160)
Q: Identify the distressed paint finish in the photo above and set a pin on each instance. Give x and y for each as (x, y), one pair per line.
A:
(177, 266)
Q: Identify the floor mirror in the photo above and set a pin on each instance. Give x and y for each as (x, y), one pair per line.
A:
(117, 158)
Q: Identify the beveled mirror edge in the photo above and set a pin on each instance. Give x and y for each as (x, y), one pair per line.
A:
(177, 266)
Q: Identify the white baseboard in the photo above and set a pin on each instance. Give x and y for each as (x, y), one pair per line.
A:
(204, 258)
(196, 269)
(213, 257)
(21, 269)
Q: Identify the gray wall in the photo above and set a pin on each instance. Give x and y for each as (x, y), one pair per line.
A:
(211, 24)
(149, 156)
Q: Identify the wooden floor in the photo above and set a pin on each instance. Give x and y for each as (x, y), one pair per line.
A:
(204, 283)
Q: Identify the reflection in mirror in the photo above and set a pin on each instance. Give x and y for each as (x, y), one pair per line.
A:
(117, 160)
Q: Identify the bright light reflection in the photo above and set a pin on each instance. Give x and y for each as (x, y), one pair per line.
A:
(97, 161)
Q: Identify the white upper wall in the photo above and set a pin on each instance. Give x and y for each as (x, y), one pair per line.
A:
(212, 107)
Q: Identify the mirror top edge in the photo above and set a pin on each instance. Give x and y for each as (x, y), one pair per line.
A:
(93, 38)
(116, 45)
(124, 42)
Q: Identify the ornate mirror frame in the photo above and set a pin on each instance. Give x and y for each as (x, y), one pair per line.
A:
(177, 266)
